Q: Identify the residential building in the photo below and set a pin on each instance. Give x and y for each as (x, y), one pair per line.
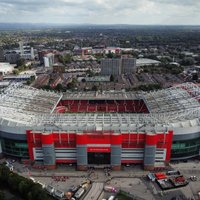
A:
(49, 60)
(118, 66)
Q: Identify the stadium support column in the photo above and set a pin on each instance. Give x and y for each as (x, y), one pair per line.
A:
(81, 149)
(150, 151)
(169, 145)
(49, 157)
(116, 149)
(29, 136)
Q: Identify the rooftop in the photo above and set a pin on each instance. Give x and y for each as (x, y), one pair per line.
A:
(176, 107)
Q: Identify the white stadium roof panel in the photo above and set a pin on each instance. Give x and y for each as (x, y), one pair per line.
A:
(26, 106)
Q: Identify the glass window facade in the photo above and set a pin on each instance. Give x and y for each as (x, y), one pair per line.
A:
(15, 148)
(186, 148)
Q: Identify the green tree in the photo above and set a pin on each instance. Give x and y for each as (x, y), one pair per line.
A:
(112, 78)
(110, 55)
(95, 88)
(59, 87)
(2, 196)
(16, 71)
(20, 62)
(65, 59)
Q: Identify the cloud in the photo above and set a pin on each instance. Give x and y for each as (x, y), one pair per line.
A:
(101, 11)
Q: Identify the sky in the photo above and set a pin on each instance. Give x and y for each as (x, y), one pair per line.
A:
(145, 12)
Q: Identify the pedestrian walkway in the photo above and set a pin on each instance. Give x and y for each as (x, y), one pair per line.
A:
(94, 192)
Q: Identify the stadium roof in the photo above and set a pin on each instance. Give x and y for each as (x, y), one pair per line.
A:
(176, 107)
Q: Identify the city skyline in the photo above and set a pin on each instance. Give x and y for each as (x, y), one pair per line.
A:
(147, 12)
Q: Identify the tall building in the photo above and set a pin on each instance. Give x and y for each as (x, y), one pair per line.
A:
(128, 65)
(32, 53)
(12, 57)
(41, 55)
(26, 52)
(111, 66)
(49, 60)
(118, 66)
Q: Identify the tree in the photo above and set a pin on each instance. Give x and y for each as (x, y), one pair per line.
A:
(59, 87)
(187, 61)
(95, 88)
(110, 55)
(195, 77)
(16, 71)
(112, 78)
(65, 59)
(2, 196)
(20, 62)
(21, 186)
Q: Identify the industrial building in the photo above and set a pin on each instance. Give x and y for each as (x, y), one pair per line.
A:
(108, 128)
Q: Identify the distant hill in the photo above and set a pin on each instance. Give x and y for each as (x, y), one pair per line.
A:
(25, 26)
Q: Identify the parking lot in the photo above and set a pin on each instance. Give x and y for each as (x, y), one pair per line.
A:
(131, 179)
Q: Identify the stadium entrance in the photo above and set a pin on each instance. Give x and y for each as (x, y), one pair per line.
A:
(96, 158)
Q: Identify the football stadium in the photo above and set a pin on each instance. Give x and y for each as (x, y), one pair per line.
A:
(104, 128)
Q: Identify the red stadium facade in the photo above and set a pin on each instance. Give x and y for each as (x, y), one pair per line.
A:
(100, 128)
(106, 148)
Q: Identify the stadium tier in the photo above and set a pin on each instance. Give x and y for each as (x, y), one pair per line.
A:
(108, 128)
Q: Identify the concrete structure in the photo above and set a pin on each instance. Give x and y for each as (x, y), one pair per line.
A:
(6, 68)
(12, 57)
(97, 79)
(20, 77)
(146, 62)
(105, 129)
(49, 60)
(118, 66)
(26, 52)
(111, 67)
(114, 50)
(128, 65)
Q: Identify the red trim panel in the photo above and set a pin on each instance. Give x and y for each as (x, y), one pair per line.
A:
(99, 149)
(29, 136)
(169, 144)
(116, 139)
(151, 139)
(65, 161)
(47, 138)
(81, 139)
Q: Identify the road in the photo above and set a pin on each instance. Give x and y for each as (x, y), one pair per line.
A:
(94, 192)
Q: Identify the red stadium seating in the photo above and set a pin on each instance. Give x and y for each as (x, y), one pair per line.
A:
(121, 106)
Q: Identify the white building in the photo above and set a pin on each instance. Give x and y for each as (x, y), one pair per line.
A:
(49, 60)
(114, 50)
(6, 68)
(26, 52)
(146, 62)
